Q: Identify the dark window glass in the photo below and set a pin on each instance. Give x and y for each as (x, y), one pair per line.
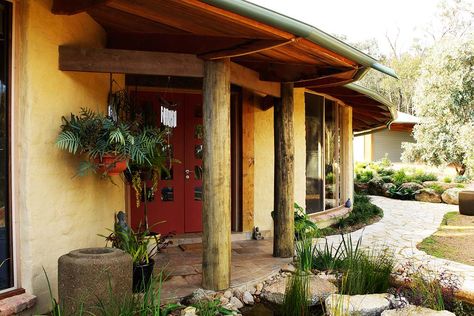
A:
(314, 121)
(6, 279)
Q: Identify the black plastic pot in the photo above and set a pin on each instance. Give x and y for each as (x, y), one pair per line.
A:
(142, 276)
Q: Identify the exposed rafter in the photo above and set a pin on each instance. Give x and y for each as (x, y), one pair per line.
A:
(250, 47)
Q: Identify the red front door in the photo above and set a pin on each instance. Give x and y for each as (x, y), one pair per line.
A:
(178, 199)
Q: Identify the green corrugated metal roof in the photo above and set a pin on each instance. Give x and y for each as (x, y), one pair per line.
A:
(300, 29)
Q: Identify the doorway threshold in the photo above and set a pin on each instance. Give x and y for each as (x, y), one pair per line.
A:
(196, 238)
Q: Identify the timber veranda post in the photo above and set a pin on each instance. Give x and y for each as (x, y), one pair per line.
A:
(216, 238)
(283, 241)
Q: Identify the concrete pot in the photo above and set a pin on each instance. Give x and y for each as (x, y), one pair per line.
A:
(87, 276)
(466, 203)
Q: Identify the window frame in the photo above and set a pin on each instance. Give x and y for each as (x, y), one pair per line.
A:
(12, 221)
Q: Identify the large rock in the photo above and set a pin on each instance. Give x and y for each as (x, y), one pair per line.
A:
(412, 186)
(319, 290)
(427, 195)
(375, 186)
(416, 311)
(451, 196)
(360, 305)
(360, 187)
(386, 189)
(443, 185)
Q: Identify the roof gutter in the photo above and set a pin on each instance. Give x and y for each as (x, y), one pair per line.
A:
(300, 29)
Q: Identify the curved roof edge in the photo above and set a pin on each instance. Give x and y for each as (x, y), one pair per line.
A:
(379, 98)
(300, 29)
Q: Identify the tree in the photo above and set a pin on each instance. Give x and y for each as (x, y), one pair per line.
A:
(444, 99)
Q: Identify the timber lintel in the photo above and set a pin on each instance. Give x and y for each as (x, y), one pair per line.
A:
(155, 63)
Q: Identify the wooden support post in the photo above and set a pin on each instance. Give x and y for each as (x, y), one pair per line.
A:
(283, 242)
(216, 207)
(248, 160)
(347, 156)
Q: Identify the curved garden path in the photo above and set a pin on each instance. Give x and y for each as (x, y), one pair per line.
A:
(404, 225)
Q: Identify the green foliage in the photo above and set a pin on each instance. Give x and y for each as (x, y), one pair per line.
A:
(211, 308)
(461, 179)
(437, 188)
(363, 272)
(364, 176)
(97, 135)
(445, 100)
(400, 176)
(419, 176)
(401, 193)
(363, 211)
(305, 228)
(297, 295)
(447, 180)
(136, 243)
(147, 304)
(367, 273)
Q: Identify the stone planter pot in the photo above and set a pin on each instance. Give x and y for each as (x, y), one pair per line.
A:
(86, 276)
(466, 203)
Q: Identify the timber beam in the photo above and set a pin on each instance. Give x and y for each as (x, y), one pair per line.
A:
(71, 7)
(155, 63)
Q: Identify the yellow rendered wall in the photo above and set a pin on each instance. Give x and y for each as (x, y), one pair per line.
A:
(56, 212)
(300, 147)
(264, 161)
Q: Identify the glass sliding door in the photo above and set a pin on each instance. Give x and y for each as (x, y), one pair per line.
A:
(332, 154)
(6, 279)
(314, 120)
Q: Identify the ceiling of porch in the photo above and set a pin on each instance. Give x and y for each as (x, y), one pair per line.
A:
(276, 47)
(195, 27)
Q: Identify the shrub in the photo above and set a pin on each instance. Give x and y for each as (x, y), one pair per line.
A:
(420, 176)
(461, 179)
(437, 188)
(362, 212)
(400, 176)
(401, 193)
(304, 227)
(447, 180)
(364, 176)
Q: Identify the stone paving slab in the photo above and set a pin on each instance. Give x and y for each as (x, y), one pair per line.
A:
(404, 225)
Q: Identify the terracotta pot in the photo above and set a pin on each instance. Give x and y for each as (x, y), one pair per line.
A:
(110, 165)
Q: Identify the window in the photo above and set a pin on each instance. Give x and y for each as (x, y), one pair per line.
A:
(323, 144)
(6, 269)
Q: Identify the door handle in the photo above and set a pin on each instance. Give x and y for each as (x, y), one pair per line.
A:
(187, 172)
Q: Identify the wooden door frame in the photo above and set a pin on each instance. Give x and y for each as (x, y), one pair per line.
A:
(236, 149)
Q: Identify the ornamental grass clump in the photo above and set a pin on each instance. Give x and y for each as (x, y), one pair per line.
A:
(297, 295)
(363, 271)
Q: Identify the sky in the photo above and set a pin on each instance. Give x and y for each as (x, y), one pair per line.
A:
(362, 19)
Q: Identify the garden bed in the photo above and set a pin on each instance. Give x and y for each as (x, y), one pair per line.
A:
(381, 178)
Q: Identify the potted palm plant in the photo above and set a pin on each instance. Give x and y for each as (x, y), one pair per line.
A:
(137, 244)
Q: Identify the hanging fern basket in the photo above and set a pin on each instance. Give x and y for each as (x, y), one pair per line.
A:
(111, 165)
